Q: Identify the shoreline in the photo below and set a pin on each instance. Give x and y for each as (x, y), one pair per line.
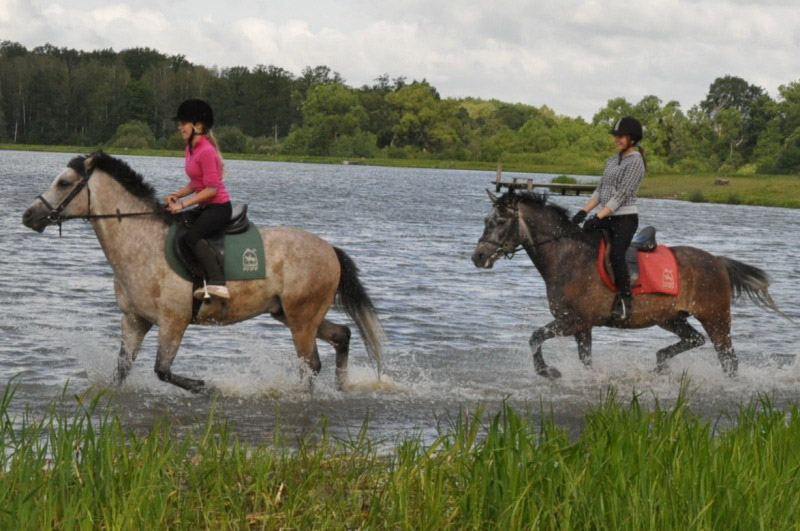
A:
(781, 191)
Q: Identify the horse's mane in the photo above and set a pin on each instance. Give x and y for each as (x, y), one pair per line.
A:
(540, 200)
(132, 181)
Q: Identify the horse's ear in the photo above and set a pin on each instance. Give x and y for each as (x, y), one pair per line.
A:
(90, 161)
(491, 196)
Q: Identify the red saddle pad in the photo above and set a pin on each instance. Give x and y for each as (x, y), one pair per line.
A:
(658, 271)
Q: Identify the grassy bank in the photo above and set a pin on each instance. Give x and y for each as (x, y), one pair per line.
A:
(763, 190)
(632, 468)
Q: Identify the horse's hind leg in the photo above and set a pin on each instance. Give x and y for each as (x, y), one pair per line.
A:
(339, 337)
(134, 328)
(690, 338)
(718, 329)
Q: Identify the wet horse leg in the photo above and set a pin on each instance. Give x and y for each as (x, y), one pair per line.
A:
(584, 341)
(690, 338)
(548, 331)
(169, 339)
(718, 329)
(339, 337)
(134, 328)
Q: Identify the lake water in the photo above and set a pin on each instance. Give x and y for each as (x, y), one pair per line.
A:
(456, 336)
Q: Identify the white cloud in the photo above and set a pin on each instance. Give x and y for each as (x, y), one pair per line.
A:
(572, 55)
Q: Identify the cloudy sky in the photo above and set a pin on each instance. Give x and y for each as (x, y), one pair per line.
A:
(571, 55)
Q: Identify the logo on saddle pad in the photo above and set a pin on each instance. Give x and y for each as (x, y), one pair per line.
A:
(249, 260)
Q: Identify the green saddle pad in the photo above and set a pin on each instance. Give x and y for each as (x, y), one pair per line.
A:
(244, 255)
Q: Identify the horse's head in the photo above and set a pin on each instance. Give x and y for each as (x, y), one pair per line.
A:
(501, 234)
(67, 197)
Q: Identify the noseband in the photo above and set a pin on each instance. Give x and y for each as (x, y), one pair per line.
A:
(56, 217)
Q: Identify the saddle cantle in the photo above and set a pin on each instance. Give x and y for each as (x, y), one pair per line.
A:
(652, 267)
(238, 246)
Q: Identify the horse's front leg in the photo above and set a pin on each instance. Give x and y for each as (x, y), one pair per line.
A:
(584, 341)
(169, 339)
(134, 328)
(548, 331)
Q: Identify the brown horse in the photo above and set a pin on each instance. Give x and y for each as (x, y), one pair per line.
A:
(305, 274)
(566, 257)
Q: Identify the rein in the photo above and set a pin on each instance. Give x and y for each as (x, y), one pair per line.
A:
(55, 216)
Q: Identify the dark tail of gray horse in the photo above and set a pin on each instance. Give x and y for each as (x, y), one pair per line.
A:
(751, 281)
(352, 297)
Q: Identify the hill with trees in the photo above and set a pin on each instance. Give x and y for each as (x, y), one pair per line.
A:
(60, 96)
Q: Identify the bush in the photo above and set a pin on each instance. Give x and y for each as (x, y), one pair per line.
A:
(697, 197)
(133, 135)
(231, 139)
(564, 179)
(359, 144)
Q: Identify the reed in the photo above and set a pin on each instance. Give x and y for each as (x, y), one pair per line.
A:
(632, 467)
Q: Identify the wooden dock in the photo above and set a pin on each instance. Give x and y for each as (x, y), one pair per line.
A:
(529, 185)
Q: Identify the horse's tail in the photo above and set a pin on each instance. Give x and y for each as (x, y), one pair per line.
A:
(353, 299)
(753, 282)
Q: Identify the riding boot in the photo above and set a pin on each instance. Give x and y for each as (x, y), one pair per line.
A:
(623, 306)
(215, 281)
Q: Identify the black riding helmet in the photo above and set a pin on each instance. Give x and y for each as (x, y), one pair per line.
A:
(628, 126)
(195, 110)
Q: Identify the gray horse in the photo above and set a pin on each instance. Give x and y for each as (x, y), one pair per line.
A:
(305, 274)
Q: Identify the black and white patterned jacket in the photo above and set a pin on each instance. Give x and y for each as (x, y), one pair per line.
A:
(620, 184)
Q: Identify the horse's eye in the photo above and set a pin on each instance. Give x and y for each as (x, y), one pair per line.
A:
(64, 183)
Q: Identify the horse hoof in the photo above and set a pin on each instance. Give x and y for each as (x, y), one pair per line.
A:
(551, 373)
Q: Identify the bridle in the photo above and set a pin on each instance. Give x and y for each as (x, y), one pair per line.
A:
(509, 253)
(56, 217)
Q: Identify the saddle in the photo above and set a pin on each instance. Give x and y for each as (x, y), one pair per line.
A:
(236, 225)
(652, 267)
(238, 247)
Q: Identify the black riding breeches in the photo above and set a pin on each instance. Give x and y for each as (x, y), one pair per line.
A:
(206, 221)
(621, 230)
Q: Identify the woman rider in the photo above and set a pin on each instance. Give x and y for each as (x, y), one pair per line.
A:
(617, 196)
(206, 188)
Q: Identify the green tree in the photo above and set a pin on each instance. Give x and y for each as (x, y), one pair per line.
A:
(329, 112)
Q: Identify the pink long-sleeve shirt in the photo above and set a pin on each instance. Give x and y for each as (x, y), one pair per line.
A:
(204, 168)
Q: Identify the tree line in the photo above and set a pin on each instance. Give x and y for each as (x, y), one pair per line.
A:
(51, 96)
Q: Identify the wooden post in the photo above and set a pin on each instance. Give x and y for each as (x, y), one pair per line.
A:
(530, 185)
(498, 176)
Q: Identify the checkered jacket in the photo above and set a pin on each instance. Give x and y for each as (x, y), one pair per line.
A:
(620, 183)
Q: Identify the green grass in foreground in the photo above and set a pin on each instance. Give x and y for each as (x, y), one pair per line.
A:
(763, 190)
(632, 468)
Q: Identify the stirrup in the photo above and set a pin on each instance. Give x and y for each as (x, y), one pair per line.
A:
(623, 307)
(202, 293)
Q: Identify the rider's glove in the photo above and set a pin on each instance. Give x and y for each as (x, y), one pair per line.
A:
(580, 216)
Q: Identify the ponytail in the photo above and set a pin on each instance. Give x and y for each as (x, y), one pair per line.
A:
(213, 140)
(641, 153)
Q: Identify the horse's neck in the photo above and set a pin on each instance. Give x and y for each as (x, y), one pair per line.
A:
(128, 242)
(554, 255)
